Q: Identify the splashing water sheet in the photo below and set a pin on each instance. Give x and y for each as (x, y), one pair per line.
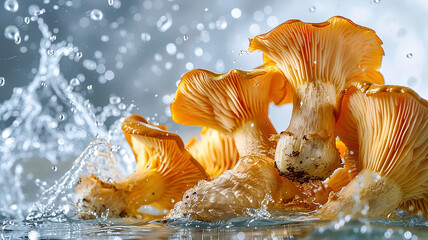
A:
(71, 71)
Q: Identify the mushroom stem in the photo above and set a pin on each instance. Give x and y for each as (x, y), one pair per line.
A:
(307, 149)
(252, 137)
(358, 194)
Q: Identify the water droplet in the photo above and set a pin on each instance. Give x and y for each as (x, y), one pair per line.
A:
(236, 13)
(376, 1)
(409, 55)
(110, 2)
(114, 100)
(18, 39)
(33, 10)
(145, 37)
(51, 52)
(2, 81)
(43, 84)
(79, 54)
(11, 5)
(185, 37)
(171, 49)
(89, 87)
(62, 117)
(312, 9)
(54, 168)
(164, 22)
(27, 20)
(96, 15)
(52, 38)
(74, 82)
(11, 32)
(234, 61)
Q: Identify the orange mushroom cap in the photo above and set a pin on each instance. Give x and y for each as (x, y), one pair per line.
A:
(235, 103)
(215, 151)
(386, 128)
(165, 170)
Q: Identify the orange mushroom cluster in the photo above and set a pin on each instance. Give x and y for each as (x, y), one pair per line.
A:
(329, 72)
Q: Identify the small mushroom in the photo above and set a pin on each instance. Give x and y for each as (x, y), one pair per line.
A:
(235, 103)
(318, 60)
(216, 152)
(164, 171)
(386, 128)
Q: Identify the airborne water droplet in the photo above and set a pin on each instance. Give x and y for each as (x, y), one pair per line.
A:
(110, 2)
(164, 22)
(376, 1)
(54, 168)
(185, 37)
(409, 55)
(2, 81)
(312, 9)
(51, 52)
(79, 54)
(11, 32)
(96, 15)
(145, 37)
(27, 20)
(74, 82)
(11, 5)
(114, 100)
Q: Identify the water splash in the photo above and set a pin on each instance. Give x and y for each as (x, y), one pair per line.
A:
(48, 120)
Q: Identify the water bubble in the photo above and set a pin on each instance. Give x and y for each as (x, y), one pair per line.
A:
(171, 49)
(74, 82)
(52, 38)
(388, 233)
(164, 22)
(254, 29)
(79, 54)
(376, 1)
(189, 66)
(236, 13)
(11, 5)
(221, 23)
(43, 84)
(54, 168)
(114, 100)
(96, 15)
(2, 81)
(51, 52)
(312, 9)
(27, 20)
(110, 2)
(185, 37)
(11, 32)
(407, 235)
(409, 55)
(145, 37)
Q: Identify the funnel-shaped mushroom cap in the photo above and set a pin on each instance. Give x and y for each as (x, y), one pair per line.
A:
(387, 128)
(318, 60)
(235, 103)
(165, 170)
(215, 151)
(224, 101)
(337, 51)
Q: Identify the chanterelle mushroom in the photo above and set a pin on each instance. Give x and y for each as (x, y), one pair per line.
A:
(235, 103)
(386, 129)
(165, 170)
(216, 152)
(319, 60)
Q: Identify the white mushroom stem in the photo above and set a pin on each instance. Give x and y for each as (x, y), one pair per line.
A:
(367, 194)
(252, 137)
(307, 149)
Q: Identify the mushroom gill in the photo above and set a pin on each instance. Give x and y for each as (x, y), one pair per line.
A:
(216, 152)
(318, 60)
(164, 171)
(235, 103)
(386, 128)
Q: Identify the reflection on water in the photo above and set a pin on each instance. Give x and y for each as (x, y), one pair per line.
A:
(48, 121)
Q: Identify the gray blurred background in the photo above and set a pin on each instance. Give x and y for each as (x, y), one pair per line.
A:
(140, 49)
